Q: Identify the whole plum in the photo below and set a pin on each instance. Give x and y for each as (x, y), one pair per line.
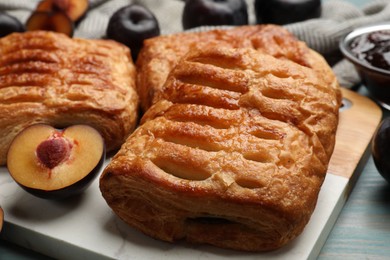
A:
(381, 148)
(286, 11)
(214, 12)
(9, 24)
(131, 25)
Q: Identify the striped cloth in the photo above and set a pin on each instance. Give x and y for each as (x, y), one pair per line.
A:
(323, 34)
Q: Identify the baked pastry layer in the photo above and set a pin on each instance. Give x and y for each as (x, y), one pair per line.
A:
(235, 146)
(47, 77)
(161, 54)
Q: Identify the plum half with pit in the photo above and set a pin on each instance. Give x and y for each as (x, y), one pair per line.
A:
(131, 25)
(381, 148)
(57, 15)
(56, 163)
(286, 11)
(50, 21)
(214, 12)
(9, 24)
(74, 9)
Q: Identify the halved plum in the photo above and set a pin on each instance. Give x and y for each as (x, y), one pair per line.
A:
(56, 163)
(74, 9)
(50, 21)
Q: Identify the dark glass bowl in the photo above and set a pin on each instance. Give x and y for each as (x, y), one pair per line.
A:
(375, 79)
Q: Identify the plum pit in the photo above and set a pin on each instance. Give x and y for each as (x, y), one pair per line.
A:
(53, 152)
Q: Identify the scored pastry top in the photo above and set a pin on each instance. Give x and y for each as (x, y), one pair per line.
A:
(242, 112)
(242, 135)
(47, 77)
(161, 54)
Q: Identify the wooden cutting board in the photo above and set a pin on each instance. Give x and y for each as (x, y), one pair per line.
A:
(358, 121)
(85, 228)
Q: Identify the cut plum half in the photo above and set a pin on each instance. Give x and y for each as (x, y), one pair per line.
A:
(50, 21)
(56, 163)
(74, 9)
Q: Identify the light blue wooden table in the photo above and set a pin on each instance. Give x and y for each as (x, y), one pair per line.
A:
(362, 230)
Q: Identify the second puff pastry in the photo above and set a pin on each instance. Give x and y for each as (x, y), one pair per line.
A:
(234, 147)
(49, 78)
(161, 54)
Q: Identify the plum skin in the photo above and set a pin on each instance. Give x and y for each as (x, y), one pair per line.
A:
(381, 149)
(214, 12)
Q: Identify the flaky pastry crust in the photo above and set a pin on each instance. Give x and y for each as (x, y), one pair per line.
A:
(235, 146)
(161, 54)
(47, 77)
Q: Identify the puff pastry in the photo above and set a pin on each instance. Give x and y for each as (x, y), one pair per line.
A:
(235, 146)
(161, 54)
(47, 77)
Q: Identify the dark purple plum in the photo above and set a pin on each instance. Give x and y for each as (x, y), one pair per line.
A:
(214, 12)
(9, 24)
(131, 25)
(286, 11)
(381, 148)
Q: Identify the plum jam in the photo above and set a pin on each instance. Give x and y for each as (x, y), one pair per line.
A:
(373, 48)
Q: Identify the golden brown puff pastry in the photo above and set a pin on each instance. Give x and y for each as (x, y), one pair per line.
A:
(46, 77)
(160, 54)
(232, 153)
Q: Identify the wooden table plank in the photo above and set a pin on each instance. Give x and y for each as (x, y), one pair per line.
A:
(362, 230)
